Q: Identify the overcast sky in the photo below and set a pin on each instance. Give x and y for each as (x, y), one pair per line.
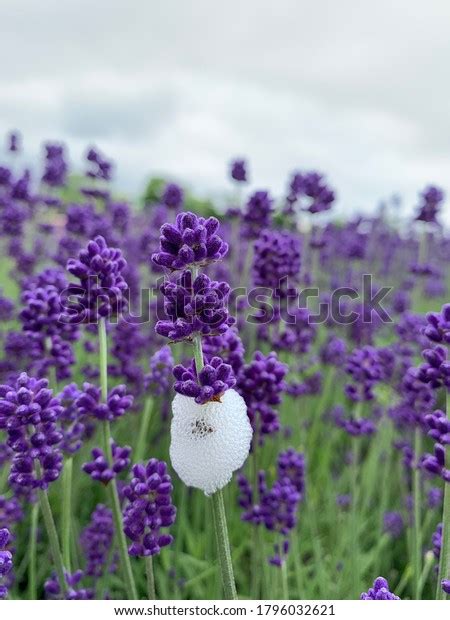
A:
(359, 90)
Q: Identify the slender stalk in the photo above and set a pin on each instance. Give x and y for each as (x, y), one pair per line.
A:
(417, 520)
(354, 534)
(67, 511)
(32, 590)
(114, 495)
(284, 579)
(143, 431)
(53, 539)
(444, 560)
(151, 593)
(198, 354)
(223, 546)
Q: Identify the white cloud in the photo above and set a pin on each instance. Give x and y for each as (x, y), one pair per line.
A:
(357, 90)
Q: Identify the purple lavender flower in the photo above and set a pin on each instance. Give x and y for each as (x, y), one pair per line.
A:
(311, 187)
(10, 511)
(355, 427)
(100, 168)
(96, 540)
(379, 592)
(436, 539)
(118, 402)
(99, 468)
(365, 367)
(29, 413)
(275, 507)
(210, 383)
(100, 292)
(14, 140)
(435, 497)
(431, 201)
(55, 165)
(149, 508)
(172, 196)
(261, 383)
(228, 346)
(192, 240)
(435, 463)
(157, 381)
(277, 255)
(333, 352)
(436, 369)
(194, 307)
(393, 524)
(74, 593)
(238, 170)
(445, 585)
(257, 215)
(5, 561)
(438, 328)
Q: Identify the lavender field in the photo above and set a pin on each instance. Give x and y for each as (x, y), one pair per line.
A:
(205, 401)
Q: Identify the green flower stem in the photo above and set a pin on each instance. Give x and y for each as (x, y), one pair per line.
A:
(67, 511)
(223, 546)
(417, 521)
(444, 560)
(143, 431)
(354, 524)
(284, 579)
(114, 495)
(32, 590)
(53, 539)
(151, 593)
(354, 534)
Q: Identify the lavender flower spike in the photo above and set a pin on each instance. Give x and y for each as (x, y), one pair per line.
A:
(192, 240)
(379, 592)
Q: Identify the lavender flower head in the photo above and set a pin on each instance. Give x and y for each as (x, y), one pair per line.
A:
(194, 307)
(192, 240)
(149, 508)
(257, 215)
(238, 170)
(74, 592)
(29, 413)
(261, 383)
(99, 468)
(118, 402)
(431, 201)
(277, 257)
(210, 383)
(96, 540)
(157, 381)
(438, 328)
(172, 196)
(100, 293)
(379, 592)
(5, 561)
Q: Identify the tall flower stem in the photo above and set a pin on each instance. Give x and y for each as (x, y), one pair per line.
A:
(53, 539)
(143, 430)
(417, 519)
(220, 522)
(354, 524)
(32, 591)
(67, 511)
(114, 495)
(444, 559)
(151, 593)
(223, 546)
(354, 563)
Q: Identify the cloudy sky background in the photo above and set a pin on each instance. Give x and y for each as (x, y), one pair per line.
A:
(358, 90)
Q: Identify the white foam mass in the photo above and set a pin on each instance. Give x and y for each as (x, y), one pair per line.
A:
(209, 442)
